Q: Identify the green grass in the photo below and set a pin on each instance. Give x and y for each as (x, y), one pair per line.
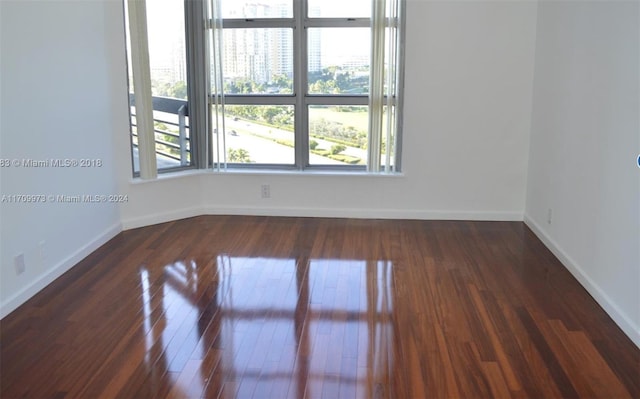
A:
(288, 143)
(359, 120)
(335, 140)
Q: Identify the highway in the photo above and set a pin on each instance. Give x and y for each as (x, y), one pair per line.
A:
(258, 141)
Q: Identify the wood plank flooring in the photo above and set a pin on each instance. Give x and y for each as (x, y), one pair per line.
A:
(265, 307)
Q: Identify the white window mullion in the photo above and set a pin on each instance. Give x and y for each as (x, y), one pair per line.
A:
(142, 88)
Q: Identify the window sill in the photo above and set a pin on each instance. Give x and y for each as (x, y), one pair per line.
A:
(169, 176)
(265, 172)
(308, 172)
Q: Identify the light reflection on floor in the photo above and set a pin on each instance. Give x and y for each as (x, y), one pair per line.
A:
(269, 327)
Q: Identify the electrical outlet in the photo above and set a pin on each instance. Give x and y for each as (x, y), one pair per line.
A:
(265, 191)
(549, 215)
(18, 262)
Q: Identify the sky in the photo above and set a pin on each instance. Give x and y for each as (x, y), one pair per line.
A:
(166, 26)
(331, 8)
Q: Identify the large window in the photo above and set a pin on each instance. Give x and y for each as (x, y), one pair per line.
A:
(280, 84)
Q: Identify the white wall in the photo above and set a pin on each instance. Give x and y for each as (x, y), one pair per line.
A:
(585, 139)
(56, 92)
(469, 73)
(469, 90)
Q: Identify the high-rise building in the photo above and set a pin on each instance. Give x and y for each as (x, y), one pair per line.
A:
(314, 43)
(259, 55)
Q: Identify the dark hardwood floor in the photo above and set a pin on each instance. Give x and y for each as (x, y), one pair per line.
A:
(265, 307)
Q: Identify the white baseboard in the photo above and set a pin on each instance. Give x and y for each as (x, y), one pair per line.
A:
(366, 213)
(30, 290)
(619, 317)
(320, 212)
(161, 217)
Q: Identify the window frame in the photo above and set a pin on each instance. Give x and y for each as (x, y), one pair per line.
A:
(301, 99)
(201, 99)
(309, 99)
(261, 99)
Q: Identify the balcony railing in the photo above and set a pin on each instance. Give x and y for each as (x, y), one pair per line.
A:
(171, 131)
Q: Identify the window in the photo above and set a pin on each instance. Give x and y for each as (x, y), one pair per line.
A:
(166, 46)
(282, 84)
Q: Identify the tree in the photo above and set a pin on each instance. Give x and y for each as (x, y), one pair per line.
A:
(343, 81)
(160, 126)
(243, 86)
(178, 90)
(238, 156)
(268, 113)
(324, 87)
(165, 89)
(281, 81)
(313, 144)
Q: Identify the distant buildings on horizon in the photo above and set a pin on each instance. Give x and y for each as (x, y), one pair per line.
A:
(256, 54)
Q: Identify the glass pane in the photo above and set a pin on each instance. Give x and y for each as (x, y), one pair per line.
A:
(261, 134)
(339, 60)
(173, 149)
(167, 55)
(167, 65)
(258, 61)
(257, 9)
(338, 134)
(339, 9)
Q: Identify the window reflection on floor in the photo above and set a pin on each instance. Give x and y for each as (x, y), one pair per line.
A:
(269, 326)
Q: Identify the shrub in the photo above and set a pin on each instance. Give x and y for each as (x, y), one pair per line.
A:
(337, 149)
(346, 159)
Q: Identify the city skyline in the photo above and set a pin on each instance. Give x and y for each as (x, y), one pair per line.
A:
(256, 54)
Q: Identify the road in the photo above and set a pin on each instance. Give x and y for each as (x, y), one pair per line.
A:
(264, 150)
(258, 141)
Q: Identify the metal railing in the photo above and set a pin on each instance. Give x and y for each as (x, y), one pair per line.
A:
(169, 144)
